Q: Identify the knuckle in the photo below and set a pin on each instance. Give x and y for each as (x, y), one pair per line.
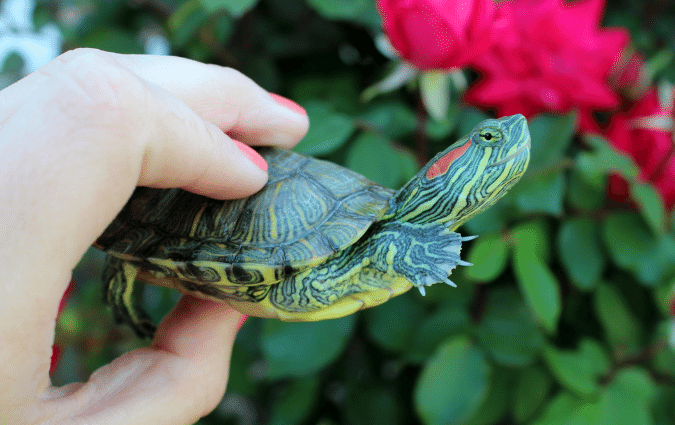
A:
(87, 84)
(247, 90)
(84, 55)
(233, 75)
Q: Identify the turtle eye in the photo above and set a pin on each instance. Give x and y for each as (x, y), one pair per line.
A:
(490, 135)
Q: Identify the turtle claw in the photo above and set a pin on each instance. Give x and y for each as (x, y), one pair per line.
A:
(469, 238)
(464, 263)
(422, 291)
(451, 283)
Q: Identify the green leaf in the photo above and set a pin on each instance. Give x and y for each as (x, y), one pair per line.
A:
(295, 402)
(660, 264)
(397, 75)
(508, 331)
(362, 11)
(224, 29)
(605, 160)
(663, 297)
(625, 402)
(664, 405)
(442, 295)
(436, 328)
(540, 193)
(621, 328)
(453, 384)
(115, 40)
(186, 21)
(551, 136)
(492, 220)
(336, 92)
(373, 156)
(585, 196)
(591, 170)
(302, 349)
(628, 398)
(328, 130)
(441, 130)
(489, 256)
(235, 7)
(531, 390)
(581, 253)
(468, 119)
(578, 370)
(542, 189)
(630, 243)
(393, 324)
(239, 380)
(651, 206)
(435, 93)
(664, 360)
(539, 286)
(408, 165)
(535, 280)
(567, 409)
(496, 403)
(533, 235)
(395, 119)
(373, 405)
(13, 63)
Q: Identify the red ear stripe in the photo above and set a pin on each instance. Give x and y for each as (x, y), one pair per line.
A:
(443, 164)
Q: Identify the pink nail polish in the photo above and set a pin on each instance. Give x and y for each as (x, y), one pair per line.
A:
(252, 155)
(242, 320)
(289, 104)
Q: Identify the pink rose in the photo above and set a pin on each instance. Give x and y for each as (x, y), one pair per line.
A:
(438, 34)
(664, 181)
(643, 131)
(57, 348)
(553, 58)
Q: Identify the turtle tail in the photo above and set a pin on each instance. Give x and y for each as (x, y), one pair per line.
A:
(123, 296)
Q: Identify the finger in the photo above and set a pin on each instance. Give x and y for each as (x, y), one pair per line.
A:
(224, 97)
(220, 95)
(178, 379)
(217, 167)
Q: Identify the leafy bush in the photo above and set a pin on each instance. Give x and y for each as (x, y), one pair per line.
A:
(566, 316)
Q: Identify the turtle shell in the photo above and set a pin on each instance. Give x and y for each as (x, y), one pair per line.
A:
(308, 210)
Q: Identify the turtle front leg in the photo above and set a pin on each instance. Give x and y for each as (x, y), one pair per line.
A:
(393, 258)
(119, 278)
(424, 254)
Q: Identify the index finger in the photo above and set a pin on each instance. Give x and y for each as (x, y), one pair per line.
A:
(224, 97)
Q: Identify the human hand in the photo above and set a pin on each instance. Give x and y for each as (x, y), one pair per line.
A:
(76, 137)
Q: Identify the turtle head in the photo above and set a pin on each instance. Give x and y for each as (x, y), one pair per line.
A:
(469, 176)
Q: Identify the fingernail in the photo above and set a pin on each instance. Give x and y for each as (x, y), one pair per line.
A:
(252, 155)
(288, 104)
(242, 320)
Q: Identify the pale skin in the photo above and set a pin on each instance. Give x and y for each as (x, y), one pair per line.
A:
(76, 137)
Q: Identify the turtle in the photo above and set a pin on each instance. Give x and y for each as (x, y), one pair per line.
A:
(318, 241)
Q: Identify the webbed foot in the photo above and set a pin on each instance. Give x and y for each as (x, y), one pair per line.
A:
(431, 255)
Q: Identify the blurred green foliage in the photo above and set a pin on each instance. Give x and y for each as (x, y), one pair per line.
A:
(564, 318)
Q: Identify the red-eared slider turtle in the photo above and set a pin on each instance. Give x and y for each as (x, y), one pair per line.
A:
(318, 241)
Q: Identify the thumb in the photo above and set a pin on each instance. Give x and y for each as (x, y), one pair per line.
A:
(178, 379)
(189, 152)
